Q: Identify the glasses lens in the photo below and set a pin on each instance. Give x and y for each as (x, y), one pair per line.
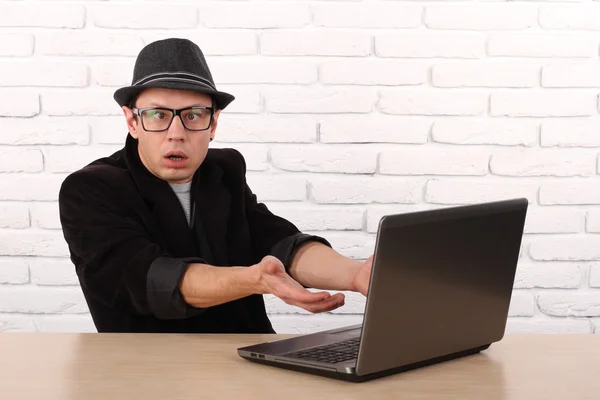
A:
(156, 119)
(196, 118)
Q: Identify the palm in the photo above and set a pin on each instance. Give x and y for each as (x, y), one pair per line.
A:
(276, 281)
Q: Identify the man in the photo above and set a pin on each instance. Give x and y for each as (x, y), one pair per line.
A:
(166, 235)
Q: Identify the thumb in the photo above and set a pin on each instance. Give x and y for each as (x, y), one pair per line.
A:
(272, 264)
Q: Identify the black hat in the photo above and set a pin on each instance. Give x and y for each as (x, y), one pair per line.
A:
(172, 64)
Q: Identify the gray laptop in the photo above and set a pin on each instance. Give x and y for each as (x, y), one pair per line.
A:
(440, 289)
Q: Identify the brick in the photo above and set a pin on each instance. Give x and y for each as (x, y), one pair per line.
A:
(39, 14)
(43, 131)
(266, 129)
(52, 272)
(277, 187)
(113, 74)
(418, 102)
(571, 75)
(429, 161)
(16, 323)
(595, 276)
(565, 248)
(256, 155)
(30, 187)
(247, 99)
(109, 130)
(377, 211)
(21, 160)
(469, 192)
(17, 103)
(76, 43)
(485, 74)
(542, 45)
(13, 271)
(573, 16)
(265, 70)
(65, 323)
(483, 131)
(16, 44)
(373, 128)
(570, 133)
(315, 43)
(570, 304)
(255, 15)
(320, 100)
(531, 162)
(45, 215)
(304, 324)
(326, 158)
(373, 72)
(214, 42)
(70, 159)
(481, 17)
(522, 304)
(158, 16)
(365, 190)
(548, 275)
(366, 15)
(80, 103)
(430, 45)
(36, 300)
(45, 74)
(549, 326)
(24, 243)
(320, 217)
(543, 104)
(554, 220)
(570, 193)
(593, 221)
(14, 216)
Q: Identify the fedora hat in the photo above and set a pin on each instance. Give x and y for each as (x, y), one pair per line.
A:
(172, 64)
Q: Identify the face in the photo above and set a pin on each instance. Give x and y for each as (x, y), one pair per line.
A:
(175, 154)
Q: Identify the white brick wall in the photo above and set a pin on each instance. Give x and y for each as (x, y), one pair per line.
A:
(345, 111)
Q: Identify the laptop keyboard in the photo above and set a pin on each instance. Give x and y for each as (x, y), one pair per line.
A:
(331, 353)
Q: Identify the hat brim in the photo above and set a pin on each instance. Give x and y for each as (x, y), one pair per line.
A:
(124, 95)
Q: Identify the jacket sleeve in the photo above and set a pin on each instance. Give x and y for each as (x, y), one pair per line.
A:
(272, 234)
(116, 261)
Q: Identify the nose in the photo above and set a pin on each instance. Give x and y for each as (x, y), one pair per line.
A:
(176, 131)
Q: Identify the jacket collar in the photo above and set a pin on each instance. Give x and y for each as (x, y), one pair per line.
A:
(209, 195)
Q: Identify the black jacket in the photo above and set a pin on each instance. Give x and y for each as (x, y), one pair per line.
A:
(130, 242)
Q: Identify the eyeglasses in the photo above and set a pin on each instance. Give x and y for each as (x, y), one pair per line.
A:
(159, 119)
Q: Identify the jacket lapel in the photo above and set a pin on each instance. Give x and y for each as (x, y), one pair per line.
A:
(162, 203)
(212, 201)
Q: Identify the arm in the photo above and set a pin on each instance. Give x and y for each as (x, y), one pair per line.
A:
(319, 266)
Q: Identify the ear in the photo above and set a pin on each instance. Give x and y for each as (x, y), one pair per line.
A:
(132, 123)
(213, 128)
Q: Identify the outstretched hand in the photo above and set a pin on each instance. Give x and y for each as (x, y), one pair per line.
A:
(275, 280)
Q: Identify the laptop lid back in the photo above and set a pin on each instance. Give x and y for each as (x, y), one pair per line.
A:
(441, 283)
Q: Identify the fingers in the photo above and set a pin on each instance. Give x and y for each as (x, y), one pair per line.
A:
(329, 304)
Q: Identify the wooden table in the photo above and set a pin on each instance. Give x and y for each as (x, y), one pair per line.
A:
(146, 366)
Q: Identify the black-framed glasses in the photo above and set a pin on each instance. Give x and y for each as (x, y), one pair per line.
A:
(158, 119)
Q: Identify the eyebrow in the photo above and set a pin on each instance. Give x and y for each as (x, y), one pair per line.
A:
(158, 105)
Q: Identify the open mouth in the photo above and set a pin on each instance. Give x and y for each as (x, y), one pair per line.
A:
(175, 158)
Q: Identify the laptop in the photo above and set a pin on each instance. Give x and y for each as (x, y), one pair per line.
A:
(440, 289)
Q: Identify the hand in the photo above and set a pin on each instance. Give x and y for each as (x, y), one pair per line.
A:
(362, 277)
(275, 280)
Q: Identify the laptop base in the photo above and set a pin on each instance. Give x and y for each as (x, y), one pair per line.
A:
(356, 378)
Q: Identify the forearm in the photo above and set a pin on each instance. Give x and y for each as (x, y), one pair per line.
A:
(205, 286)
(318, 266)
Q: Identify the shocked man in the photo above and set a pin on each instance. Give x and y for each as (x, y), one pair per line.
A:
(167, 236)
